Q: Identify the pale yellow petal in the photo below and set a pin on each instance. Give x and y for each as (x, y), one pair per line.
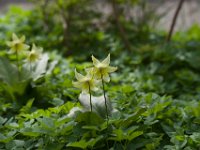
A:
(78, 75)
(106, 78)
(106, 61)
(94, 89)
(89, 69)
(34, 46)
(14, 37)
(96, 85)
(85, 87)
(77, 84)
(90, 72)
(22, 39)
(97, 73)
(95, 61)
(111, 69)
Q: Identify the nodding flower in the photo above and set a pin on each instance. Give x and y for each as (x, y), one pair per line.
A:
(86, 83)
(35, 54)
(102, 69)
(17, 44)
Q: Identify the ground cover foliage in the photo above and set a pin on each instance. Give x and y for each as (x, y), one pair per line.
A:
(154, 93)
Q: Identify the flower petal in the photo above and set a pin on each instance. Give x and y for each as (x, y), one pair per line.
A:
(33, 46)
(95, 61)
(106, 77)
(14, 37)
(77, 84)
(85, 87)
(111, 69)
(94, 89)
(106, 61)
(22, 39)
(90, 72)
(78, 76)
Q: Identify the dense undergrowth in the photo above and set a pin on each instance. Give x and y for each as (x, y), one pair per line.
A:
(154, 93)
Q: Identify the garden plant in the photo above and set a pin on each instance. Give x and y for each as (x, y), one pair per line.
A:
(108, 80)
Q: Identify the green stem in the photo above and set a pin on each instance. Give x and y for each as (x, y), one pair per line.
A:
(104, 94)
(31, 67)
(90, 97)
(107, 119)
(18, 66)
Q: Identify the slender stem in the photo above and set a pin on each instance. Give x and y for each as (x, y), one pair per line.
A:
(174, 20)
(18, 66)
(107, 119)
(104, 94)
(90, 97)
(31, 67)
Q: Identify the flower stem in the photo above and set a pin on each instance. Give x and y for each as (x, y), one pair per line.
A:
(107, 119)
(31, 67)
(90, 97)
(104, 94)
(18, 66)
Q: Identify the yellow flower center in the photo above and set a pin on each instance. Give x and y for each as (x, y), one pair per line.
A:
(33, 56)
(17, 46)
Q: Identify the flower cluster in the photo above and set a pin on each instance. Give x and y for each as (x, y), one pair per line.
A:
(94, 75)
(18, 46)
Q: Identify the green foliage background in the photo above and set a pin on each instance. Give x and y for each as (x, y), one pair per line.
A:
(155, 91)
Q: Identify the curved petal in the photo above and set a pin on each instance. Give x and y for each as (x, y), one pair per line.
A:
(95, 61)
(33, 46)
(94, 89)
(106, 77)
(97, 73)
(90, 72)
(77, 84)
(111, 69)
(94, 84)
(22, 39)
(78, 76)
(14, 37)
(106, 61)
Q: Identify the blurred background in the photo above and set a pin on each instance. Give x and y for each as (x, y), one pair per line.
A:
(189, 14)
(76, 26)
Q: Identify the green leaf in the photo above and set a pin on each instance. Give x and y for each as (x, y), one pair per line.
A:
(89, 118)
(133, 117)
(80, 144)
(134, 135)
(8, 72)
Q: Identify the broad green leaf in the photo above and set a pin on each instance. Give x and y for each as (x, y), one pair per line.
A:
(80, 144)
(135, 134)
(89, 118)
